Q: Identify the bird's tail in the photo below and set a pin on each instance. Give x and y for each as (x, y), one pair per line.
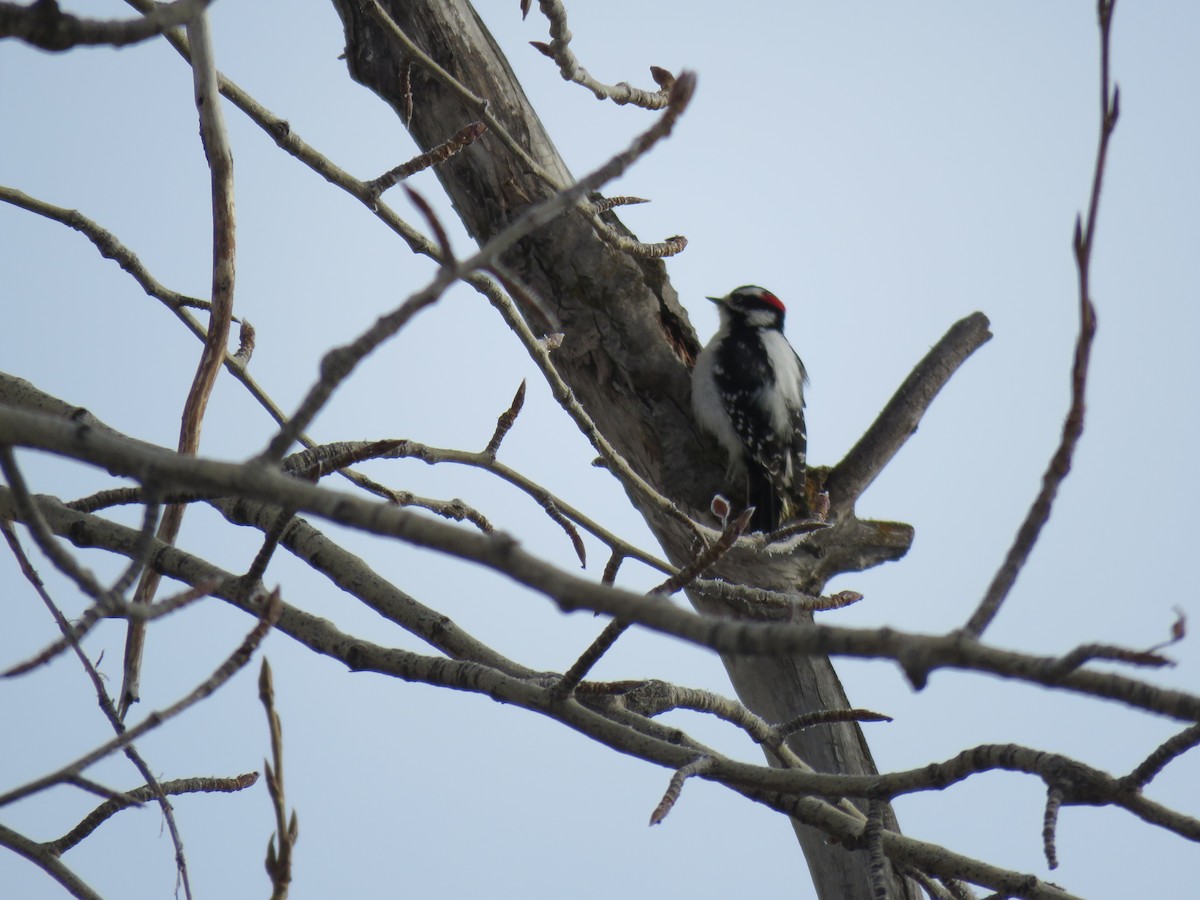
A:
(768, 507)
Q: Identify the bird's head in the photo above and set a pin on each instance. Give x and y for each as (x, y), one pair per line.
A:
(755, 306)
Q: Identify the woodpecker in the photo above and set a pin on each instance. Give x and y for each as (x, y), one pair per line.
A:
(748, 392)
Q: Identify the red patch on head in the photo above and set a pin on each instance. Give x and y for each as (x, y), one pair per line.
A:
(768, 297)
(752, 293)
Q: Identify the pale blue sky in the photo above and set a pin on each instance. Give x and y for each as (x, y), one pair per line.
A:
(884, 168)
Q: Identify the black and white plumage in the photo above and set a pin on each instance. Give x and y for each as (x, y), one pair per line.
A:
(748, 392)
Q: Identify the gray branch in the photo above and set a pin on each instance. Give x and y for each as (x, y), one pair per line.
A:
(43, 24)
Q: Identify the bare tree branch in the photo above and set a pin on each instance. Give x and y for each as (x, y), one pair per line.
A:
(139, 795)
(568, 64)
(761, 631)
(1060, 462)
(464, 137)
(873, 838)
(284, 136)
(32, 517)
(930, 858)
(825, 717)
(48, 862)
(102, 697)
(220, 166)
(675, 788)
(108, 245)
(279, 861)
(269, 610)
(898, 420)
(1088, 652)
(918, 654)
(755, 781)
(705, 559)
(1170, 749)
(1054, 800)
(246, 337)
(338, 364)
(42, 24)
(107, 608)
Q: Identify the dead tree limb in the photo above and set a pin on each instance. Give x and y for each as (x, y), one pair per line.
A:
(626, 355)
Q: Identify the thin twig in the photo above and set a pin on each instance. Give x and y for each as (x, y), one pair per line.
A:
(109, 608)
(873, 839)
(325, 458)
(935, 889)
(314, 463)
(1060, 462)
(762, 603)
(338, 363)
(480, 107)
(220, 166)
(653, 698)
(568, 65)
(318, 461)
(270, 610)
(462, 138)
(506, 421)
(110, 248)
(102, 697)
(140, 795)
(42, 536)
(704, 560)
(955, 889)
(785, 533)
(825, 717)
(609, 575)
(1175, 746)
(309, 544)
(671, 246)
(149, 519)
(1088, 652)
(565, 397)
(445, 251)
(285, 137)
(100, 790)
(1054, 799)
(279, 861)
(604, 204)
(270, 542)
(675, 787)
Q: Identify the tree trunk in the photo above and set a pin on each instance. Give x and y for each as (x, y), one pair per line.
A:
(627, 355)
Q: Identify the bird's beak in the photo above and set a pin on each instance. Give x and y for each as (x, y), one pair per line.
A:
(716, 299)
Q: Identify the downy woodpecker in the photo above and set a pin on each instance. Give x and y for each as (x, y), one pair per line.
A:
(748, 392)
